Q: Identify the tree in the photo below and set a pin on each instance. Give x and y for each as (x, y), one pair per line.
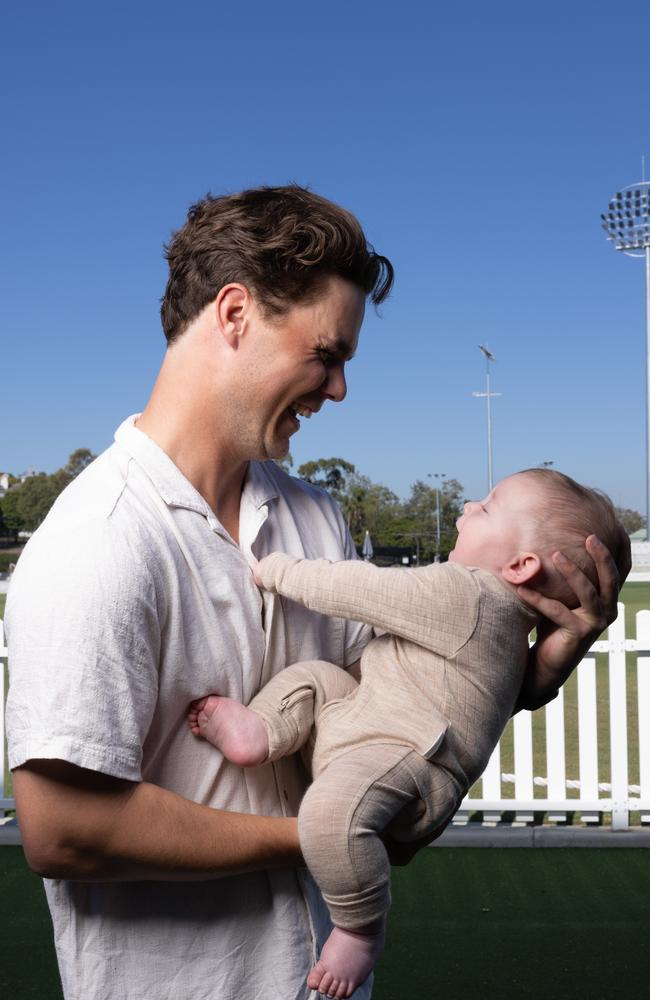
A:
(372, 507)
(353, 508)
(78, 461)
(366, 506)
(24, 506)
(35, 497)
(420, 513)
(630, 519)
(329, 473)
(12, 519)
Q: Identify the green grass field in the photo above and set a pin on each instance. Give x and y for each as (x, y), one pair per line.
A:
(507, 924)
(494, 924)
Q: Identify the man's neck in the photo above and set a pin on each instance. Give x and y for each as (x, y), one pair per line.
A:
(185, 430)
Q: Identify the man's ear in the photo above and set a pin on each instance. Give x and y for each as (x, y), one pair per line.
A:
(232, 306)
(522, 568)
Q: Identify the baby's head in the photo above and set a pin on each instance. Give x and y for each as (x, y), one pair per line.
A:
(527, 517)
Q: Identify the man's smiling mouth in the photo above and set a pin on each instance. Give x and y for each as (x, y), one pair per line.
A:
(301, 411)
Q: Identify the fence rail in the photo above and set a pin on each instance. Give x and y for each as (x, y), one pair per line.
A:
(616, 750)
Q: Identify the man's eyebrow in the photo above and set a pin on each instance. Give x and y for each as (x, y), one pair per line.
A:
(340, 347)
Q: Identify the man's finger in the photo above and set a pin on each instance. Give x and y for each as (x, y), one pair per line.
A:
(551, 609)
(609, 581)
(579, 582)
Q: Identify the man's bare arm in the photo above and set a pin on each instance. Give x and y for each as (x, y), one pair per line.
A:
(78, 824)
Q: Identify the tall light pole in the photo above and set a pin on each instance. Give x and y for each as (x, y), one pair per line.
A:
(627, 224)
(488, 396)
(438, 476)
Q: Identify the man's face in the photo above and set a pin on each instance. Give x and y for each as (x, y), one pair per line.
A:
(493, 530)
(298, 364)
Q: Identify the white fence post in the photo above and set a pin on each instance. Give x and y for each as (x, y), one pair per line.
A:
(588, 735)
(492, 784)
(618, 722)
(523, 745)
(643, 687)
(555, 754)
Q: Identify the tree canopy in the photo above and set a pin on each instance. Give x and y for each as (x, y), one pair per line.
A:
(330, 473)
(26, 504)
(368, 506)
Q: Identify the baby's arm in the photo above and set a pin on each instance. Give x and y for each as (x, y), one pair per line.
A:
(431, 605)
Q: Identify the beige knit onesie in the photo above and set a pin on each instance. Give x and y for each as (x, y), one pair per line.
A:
(434, 697)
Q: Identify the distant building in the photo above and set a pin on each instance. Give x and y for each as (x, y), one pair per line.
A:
(4, 483)
(640, 555)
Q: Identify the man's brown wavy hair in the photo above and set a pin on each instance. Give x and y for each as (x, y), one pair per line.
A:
(281, 242)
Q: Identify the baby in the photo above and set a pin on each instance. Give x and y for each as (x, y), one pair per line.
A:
(436, 691)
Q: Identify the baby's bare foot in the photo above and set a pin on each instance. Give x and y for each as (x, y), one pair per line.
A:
(238, 732)
(347, 959)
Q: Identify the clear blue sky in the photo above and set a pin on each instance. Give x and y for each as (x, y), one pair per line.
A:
(478, 144)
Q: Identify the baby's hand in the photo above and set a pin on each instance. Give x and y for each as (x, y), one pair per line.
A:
(268, 572)
(255, 571)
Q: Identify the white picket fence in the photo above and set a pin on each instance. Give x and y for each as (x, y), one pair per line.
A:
(547, 794)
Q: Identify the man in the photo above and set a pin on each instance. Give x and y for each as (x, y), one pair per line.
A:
(174, 874)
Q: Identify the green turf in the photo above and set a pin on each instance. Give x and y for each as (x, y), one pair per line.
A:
(27, 961)
(495, 924)
(505, 924)
(635, 597)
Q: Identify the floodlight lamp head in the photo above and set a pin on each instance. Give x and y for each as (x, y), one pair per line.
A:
(626, 222)
(486, 353)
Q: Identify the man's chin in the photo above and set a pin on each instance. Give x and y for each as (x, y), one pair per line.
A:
(276, 450)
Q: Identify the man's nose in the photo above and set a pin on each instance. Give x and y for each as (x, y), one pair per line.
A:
(335, 386)
(470, 505)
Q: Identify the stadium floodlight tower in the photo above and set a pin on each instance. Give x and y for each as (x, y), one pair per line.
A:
(488, 396)
(627, 224)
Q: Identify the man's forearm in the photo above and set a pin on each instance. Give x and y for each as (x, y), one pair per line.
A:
(118, 831)
(541, 684)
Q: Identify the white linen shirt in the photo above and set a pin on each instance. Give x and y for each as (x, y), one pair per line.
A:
(130, 601)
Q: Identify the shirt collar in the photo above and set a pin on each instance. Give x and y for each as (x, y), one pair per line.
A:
(260, 486)
(167, 478)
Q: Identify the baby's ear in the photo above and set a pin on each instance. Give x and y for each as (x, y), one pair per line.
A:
(522, 568)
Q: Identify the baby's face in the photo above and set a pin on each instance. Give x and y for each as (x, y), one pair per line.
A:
(493, 530)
